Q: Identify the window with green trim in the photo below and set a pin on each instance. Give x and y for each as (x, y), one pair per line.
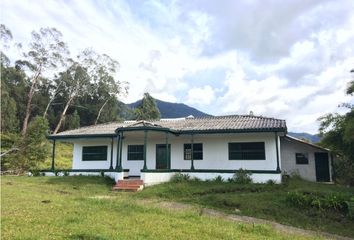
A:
(302, 158)
(135, 152)
(247, 151)
(94, 153)
(197, 151)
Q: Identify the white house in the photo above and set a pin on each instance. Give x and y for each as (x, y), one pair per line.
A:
(202, 147)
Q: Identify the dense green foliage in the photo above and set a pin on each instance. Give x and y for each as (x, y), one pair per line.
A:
(86, 208)
(30, 150)
(267, 201)
(147, 110)
(46, 91)
(338, 135)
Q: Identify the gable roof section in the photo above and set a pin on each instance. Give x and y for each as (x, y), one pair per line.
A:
(218, 124)
(290, 138)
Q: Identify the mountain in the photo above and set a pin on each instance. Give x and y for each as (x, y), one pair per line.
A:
(172, 110)
(310, 137)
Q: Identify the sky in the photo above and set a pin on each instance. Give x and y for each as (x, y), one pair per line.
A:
(283, 59)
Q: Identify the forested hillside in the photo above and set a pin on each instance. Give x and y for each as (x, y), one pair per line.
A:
(46, 89)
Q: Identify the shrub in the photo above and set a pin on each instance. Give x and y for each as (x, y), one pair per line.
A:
(35, 173)
(66, 173)
(242, 176)
(270, 182)
(179, 177)
(218, 179)
(317, 200)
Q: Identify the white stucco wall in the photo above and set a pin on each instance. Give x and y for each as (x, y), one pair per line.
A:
(307, 171)
(77, 154)
(215, 152)
(156, 178)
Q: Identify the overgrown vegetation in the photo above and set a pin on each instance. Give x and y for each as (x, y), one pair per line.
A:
(86, 208)
(338, 135)
(315, 206)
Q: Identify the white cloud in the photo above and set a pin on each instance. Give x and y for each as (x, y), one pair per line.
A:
(201, 96)
(289, 62)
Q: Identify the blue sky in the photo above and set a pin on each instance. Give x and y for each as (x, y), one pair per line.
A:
(289, 61)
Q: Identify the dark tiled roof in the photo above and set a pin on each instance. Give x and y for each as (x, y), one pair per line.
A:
(235, 123)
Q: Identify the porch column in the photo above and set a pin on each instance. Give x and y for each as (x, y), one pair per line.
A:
(118, 150)
(53, 155)
(111, 164)
(167, 153)
(276, 147)
(145, 144)
(120, 167)
(192, 150)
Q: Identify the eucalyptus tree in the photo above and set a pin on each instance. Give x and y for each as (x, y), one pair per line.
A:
(92, 75)
(46, 53)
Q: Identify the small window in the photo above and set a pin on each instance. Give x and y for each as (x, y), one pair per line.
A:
(135, 152)
(302, 158)
(247, 151)
(94, 153)
(197, 151)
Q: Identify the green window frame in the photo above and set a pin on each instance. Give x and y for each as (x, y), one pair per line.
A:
(247, 151)
(135, 152)
(197, 151)
(94, 153)
(302, 158)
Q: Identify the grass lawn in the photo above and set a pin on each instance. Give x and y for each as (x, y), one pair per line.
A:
(63, 157)
(86, 208)
(259, 200)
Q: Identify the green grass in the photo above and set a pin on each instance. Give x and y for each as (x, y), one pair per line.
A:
(68, 208)
(63, 157)
(261, 201)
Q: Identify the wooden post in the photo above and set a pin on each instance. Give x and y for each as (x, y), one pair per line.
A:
(145, 144)
(120, 167)
(167, 153)
(111, 164)
(119, 139)
(276, 147)
(192, 150)
(53, 156)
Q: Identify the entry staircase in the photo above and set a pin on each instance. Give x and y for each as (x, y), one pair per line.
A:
(129, 185)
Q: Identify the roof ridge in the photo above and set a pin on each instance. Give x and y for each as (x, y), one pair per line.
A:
(236, 115)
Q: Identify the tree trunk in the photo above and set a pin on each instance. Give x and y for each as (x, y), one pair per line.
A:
(29, 102)
(62, 116)
(100, 111)
(51, 100)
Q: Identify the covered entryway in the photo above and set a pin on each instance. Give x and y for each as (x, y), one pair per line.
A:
(163, 156)
(322, 167)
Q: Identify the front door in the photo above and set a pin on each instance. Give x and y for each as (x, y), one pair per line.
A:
(162, 161)
(322, 167)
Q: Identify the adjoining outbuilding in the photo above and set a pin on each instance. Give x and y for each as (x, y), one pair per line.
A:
(203, 147)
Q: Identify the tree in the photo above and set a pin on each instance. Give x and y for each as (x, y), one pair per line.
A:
(91, 77)
(147, 110)
(32, 149)
(76, 82)
(338, 135)
(46, 53)
(72, 121)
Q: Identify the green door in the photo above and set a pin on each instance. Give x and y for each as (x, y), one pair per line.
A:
(162, 161)
(322, 167)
